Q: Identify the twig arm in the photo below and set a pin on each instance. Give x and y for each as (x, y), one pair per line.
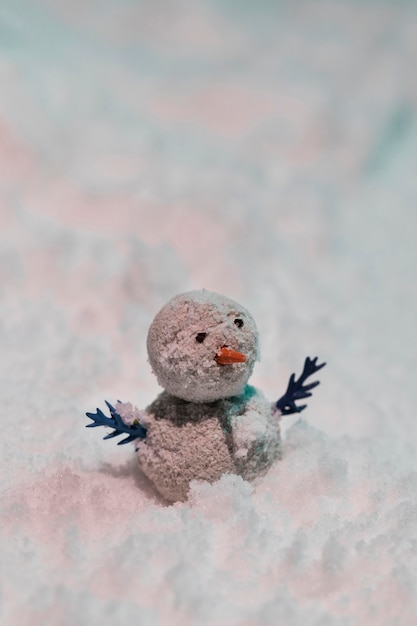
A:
(135, 431)
(297, 390)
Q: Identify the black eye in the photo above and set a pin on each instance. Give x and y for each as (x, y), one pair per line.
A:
(200, 337)
(239, 322)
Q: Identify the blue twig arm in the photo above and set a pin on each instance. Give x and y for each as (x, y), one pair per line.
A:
(136, 431)
(296, 389)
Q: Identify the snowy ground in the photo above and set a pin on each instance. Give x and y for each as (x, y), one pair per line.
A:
(264, 150)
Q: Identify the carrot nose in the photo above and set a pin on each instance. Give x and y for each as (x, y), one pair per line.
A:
(228, 356)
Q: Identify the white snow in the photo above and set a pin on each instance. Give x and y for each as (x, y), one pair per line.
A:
(262, 150)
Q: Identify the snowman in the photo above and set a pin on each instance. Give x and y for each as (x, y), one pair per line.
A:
(208, 421)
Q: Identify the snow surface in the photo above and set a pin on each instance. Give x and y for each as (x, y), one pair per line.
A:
(264, 150)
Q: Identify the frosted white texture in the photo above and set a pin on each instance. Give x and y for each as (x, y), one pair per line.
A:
(263, 150)
(187, 368)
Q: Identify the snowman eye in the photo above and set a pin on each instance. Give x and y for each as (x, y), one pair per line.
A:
(239, 322)
(200, 337)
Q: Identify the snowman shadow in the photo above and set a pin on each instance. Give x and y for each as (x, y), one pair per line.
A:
(131, 469)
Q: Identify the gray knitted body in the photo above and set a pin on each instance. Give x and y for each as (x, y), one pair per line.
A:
(208, 421)
(187, 441)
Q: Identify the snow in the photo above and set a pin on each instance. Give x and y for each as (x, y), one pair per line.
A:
(265, 151)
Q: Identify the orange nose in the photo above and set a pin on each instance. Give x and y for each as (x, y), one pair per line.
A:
(228, 356)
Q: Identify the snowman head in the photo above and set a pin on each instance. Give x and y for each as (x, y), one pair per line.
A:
(202, 346)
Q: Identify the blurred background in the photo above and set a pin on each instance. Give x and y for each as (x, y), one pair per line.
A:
(264, 150)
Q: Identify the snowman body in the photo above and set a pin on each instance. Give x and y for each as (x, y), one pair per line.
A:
(187, 441)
